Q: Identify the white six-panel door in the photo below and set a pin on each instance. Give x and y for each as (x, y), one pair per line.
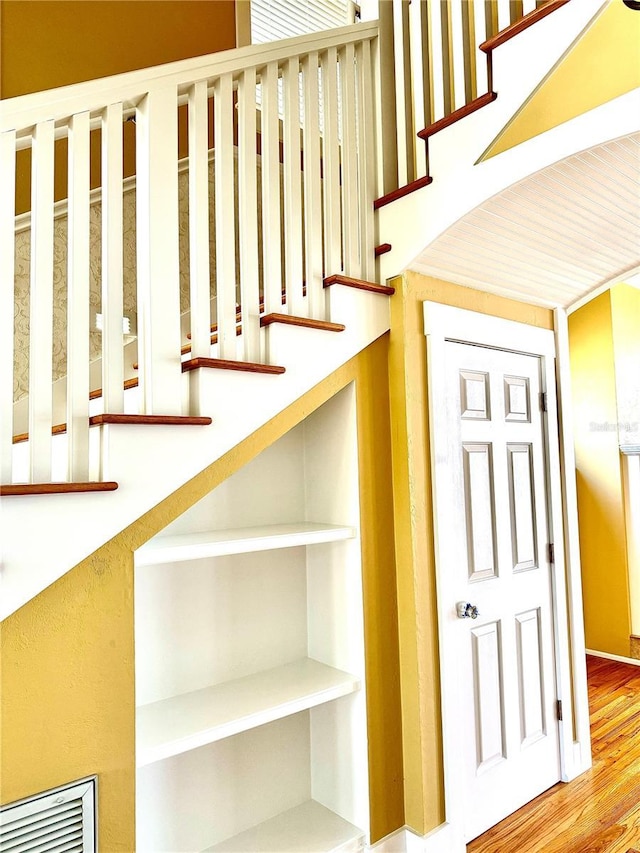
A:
(498, 562)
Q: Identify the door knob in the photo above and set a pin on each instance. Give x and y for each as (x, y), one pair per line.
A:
(466, 610)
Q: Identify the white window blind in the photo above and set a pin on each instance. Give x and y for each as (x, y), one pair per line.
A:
(282, 19)
(57, 821)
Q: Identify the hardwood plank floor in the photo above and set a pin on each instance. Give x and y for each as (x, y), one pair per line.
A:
(599, 812)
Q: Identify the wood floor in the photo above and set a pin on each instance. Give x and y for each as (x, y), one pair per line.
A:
(600, 811)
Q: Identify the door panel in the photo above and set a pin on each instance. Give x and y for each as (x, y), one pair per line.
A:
(494, 502)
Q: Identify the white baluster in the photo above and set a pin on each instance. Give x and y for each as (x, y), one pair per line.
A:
(367, 159)
(41, 303)
(199, 267)
(458, 59)
(331, 165)
(420, 79)
(437, 58)
(402, 60)
(386, 131)
(78, 293)
(112, 261)
(481, 35)
(349, 163)
(312, 189)
(271, 203)
(225, 214)
(504, 14)
(159, 371)
(248, 216)
(292, 190)
(7, 297)
(528, 6)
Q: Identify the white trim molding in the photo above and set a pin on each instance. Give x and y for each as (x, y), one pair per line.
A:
(579, 759)
(607, 656)
(405, 840)
(630, 449)
(61, 207)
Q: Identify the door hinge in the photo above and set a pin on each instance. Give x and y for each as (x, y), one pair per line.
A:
(551, 553)
(543, 401)
(559, 709)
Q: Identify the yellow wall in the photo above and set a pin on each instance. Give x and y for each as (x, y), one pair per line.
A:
(600, 494)
(424, 797)
(49, 43)
(67, 682)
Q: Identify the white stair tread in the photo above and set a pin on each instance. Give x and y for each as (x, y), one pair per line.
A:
(180, 723)
(218, 543)
(307, 828)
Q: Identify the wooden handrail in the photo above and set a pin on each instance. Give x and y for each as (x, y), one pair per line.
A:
(24, 111)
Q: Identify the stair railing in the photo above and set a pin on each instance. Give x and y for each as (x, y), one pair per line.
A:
(432, 65)
(292, 132)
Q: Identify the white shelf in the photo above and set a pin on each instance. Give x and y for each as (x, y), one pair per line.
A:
(180, 723)
(308, 828)
(219, 543)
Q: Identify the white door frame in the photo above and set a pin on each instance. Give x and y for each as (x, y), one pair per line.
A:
(443, 323)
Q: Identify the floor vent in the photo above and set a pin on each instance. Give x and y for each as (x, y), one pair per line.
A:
(62, 819)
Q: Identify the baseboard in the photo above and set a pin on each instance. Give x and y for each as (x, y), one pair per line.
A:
(405, 840)
(619, 658)
(395, 842)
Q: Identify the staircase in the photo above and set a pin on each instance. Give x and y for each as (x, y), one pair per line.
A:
(250, 273)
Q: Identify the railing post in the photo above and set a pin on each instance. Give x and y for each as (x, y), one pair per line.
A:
(199, 265)
(7, 298)
(158, 254)
(78, 299)
(225, 214)
(367, 159)
(437, 59)
(480, 33)
(349, 163)
(313, 189)
(404, 95)
(421, 79)
(271, 206)
(248, 216)
(331, 164)
(292, 189)
(41, 304)
(112, 261)
(388, 171)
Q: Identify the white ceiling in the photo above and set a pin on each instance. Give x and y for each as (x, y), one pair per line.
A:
(554, 237)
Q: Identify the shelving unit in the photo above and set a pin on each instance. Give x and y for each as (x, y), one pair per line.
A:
(251, 718)
(184, 722)
(244, 540)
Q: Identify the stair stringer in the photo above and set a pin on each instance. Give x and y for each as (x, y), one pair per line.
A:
(44, 536)
(460, 183)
